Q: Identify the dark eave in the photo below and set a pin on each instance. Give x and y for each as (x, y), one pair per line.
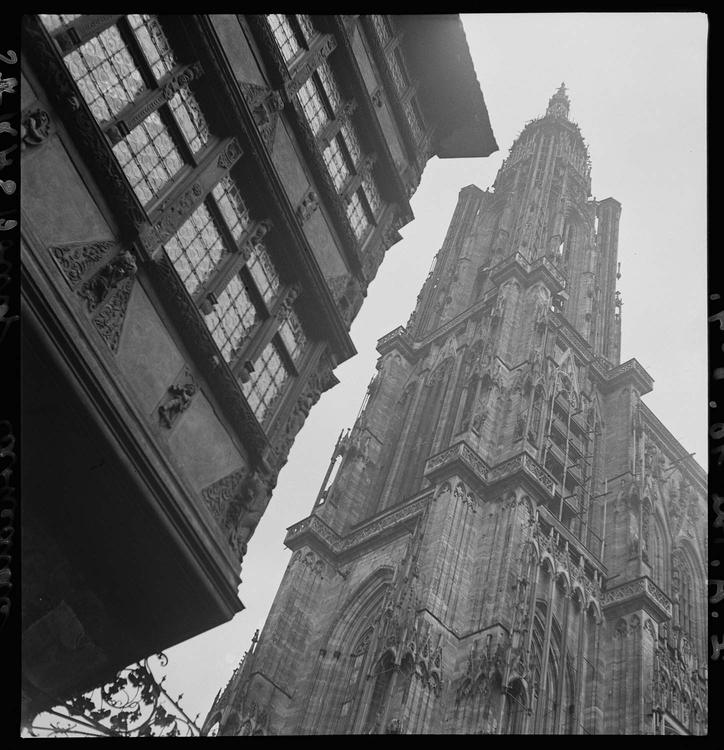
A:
(451, 97)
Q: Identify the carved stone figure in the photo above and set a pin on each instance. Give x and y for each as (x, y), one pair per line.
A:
(180, 401)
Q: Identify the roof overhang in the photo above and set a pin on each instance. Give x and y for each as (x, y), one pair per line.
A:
(450, 93)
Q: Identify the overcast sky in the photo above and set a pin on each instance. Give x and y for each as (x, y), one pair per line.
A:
(637, 84)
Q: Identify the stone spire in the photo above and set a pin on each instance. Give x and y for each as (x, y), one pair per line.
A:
(559, 103)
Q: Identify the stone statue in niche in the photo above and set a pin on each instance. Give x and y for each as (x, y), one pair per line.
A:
(180, 401)
(97, 288)
(634, 544)
(520, 421)
(479, 418)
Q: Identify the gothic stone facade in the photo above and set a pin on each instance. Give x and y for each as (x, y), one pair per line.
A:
(205, 200)
(508, 540)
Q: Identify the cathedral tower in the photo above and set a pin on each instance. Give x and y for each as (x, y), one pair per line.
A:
(507, 540)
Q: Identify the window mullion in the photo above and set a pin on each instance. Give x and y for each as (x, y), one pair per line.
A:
(78, 32)
(171, 213)
(278, 311)
(238, 258)
(362, 171)
(117, 128)
(341, 118)
(308, 63)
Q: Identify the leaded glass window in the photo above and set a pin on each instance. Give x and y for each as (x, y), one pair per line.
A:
(149, 157)
(238, 287)
(336, 164)
(232, 318)
(154, 43)
(284, 35)
(292, 335)
(329, 86)
(321, 104)
(190, 118)
(106, 74)
(196, 249)
(232, 206)
(350, 140)
(112, 75)
(372, 194)
(312, 106)
(264, 273)
(267, 381)
(357, 216)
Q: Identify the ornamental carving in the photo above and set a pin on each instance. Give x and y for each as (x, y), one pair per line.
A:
(313, 60)
(35, 127)
(316, 385)
(109, 318)
(265, 105)
(254, 496)
(198, 338)
(285, 307)
(229, 155)
(485, 667)
(98, 287)
(221, 496)
(76, 259)
(308, 206)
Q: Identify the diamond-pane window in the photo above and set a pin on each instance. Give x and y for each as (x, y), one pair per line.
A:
(292, 335)
(154, 44)
(266, 382)
(336, 163)
(357, 215)
(106, 74)
(196, 249)
(233, 316)
(264, 273)
(312, 106)
(148, 157)
(284, 35)
(232, 206)
(190, 118)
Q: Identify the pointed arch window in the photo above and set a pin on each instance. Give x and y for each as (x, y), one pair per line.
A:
(355, 674)
(380, 693)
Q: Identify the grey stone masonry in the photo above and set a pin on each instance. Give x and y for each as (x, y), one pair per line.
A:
(512, 543)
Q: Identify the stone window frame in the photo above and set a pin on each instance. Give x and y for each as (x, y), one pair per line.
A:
(335, 130)
(190, 190)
